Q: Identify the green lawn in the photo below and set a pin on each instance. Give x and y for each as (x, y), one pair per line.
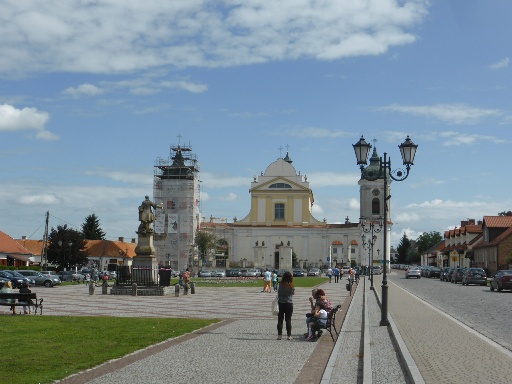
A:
(304, 282)
(41, 349)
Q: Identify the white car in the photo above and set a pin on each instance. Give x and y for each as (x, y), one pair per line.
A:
(377, 270)
(413, 272)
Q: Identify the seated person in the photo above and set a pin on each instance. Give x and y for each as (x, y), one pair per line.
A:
(319, 320)
(318, 297)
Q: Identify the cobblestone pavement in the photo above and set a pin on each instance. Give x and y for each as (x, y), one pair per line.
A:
(445, 350)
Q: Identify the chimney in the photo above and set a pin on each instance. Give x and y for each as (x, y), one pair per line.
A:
(23, 237)
(121, 239)
(471, 221)
(133, 240)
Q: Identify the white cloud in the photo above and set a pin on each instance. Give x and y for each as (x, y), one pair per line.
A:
(327, 179)
(316, 209)
(14, 119)
(317, 133)
(230, 197)
(503, 63)
(84, 89)
(44, 199)
(117, 37)
(449, 113)
(223, 181)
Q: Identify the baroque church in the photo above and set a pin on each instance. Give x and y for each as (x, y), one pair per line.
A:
(279, 232)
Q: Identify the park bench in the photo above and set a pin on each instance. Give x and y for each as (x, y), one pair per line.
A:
(16, 297)
(330, 326)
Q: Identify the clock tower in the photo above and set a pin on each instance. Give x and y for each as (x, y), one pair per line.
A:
(371, 193)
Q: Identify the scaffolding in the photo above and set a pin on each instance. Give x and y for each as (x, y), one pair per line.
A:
(176, 189)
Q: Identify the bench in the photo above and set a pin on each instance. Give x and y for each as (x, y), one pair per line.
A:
(330, 326)
(16, 297)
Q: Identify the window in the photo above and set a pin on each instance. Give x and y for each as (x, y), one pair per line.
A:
(280, 185)
(376, 206)
(279, 211)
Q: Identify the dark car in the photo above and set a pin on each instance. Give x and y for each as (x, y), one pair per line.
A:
(502, 280)
(474, 276)
(16, 281)
(457, 275)
(280, 272)
(449, 275)
(434, 272)
(298, 273)
(235, 272)
(425, 270)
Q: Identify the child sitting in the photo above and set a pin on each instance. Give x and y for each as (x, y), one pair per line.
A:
(319, 317)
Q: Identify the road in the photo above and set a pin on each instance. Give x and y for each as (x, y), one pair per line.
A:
(489, 313)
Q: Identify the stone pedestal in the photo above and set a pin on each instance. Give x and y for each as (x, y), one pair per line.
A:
(144, 264)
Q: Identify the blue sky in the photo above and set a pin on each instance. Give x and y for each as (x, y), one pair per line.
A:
(93, 92)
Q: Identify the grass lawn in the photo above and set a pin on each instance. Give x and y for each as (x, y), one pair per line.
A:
(41, 349)
(299, 282)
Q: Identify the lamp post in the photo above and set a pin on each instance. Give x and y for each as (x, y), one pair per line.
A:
(408, 151)
(69, 246)
(371, 227)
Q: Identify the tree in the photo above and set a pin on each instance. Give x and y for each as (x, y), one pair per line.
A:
(427, 240)
(91, 228)
(509, 213)
(403, 249)
(67, 247)
(205, 241)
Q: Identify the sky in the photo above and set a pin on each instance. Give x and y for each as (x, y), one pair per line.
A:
(93, 92)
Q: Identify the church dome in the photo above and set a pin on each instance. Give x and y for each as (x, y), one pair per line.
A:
(280, 167)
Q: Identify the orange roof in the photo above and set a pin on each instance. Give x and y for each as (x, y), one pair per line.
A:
(9, 245)
(337, 242)
(34, 246)
(498, 221)
(354, 242)
(102, 248)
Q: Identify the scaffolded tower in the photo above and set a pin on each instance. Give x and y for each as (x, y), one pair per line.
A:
(176, 188)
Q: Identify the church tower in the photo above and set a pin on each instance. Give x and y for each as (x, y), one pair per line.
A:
(372, 192)
(176, 189)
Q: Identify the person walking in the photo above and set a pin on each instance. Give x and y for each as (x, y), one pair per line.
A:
(274, 280)
(285, 294)
(336, 273)
(329, 274)
(268, 279)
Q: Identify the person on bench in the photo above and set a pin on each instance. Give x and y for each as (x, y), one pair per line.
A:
(26, 289)
(7, 288)
(319, 320)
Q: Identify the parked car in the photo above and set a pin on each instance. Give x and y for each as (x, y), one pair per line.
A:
(39, 278)
(413, 272)
(280, 272)
(449, 275)
(204, 273)
(377, 270)
(502, 280)
(474, 276)
(444, 274)
(298, 273)
(434, 272)
(219, 273)
(457, 275)
(252, 272)
(311, 272)
(16, 281)
(69, 276)
(424, 270)
(235, 272)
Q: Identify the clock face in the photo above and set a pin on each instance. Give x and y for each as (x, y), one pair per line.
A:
(376, 192)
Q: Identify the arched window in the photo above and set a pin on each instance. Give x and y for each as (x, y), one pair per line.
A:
(375, 206)
(280, 185)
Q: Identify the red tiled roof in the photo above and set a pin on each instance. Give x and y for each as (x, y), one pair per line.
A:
(498, 221)
(34, 246)
(102, 248)
(9, 245)
(337, 242)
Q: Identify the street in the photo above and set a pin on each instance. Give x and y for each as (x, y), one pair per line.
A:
(489, 313)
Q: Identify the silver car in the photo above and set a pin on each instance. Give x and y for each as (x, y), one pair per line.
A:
(413, 272)
(39, 278)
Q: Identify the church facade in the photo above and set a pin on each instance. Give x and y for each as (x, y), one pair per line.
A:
(280, 231)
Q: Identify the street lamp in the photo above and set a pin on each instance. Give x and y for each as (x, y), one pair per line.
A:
(371, 227)
(408, 151)
(60, 245)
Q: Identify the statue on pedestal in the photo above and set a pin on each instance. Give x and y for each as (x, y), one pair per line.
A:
(146, 216)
